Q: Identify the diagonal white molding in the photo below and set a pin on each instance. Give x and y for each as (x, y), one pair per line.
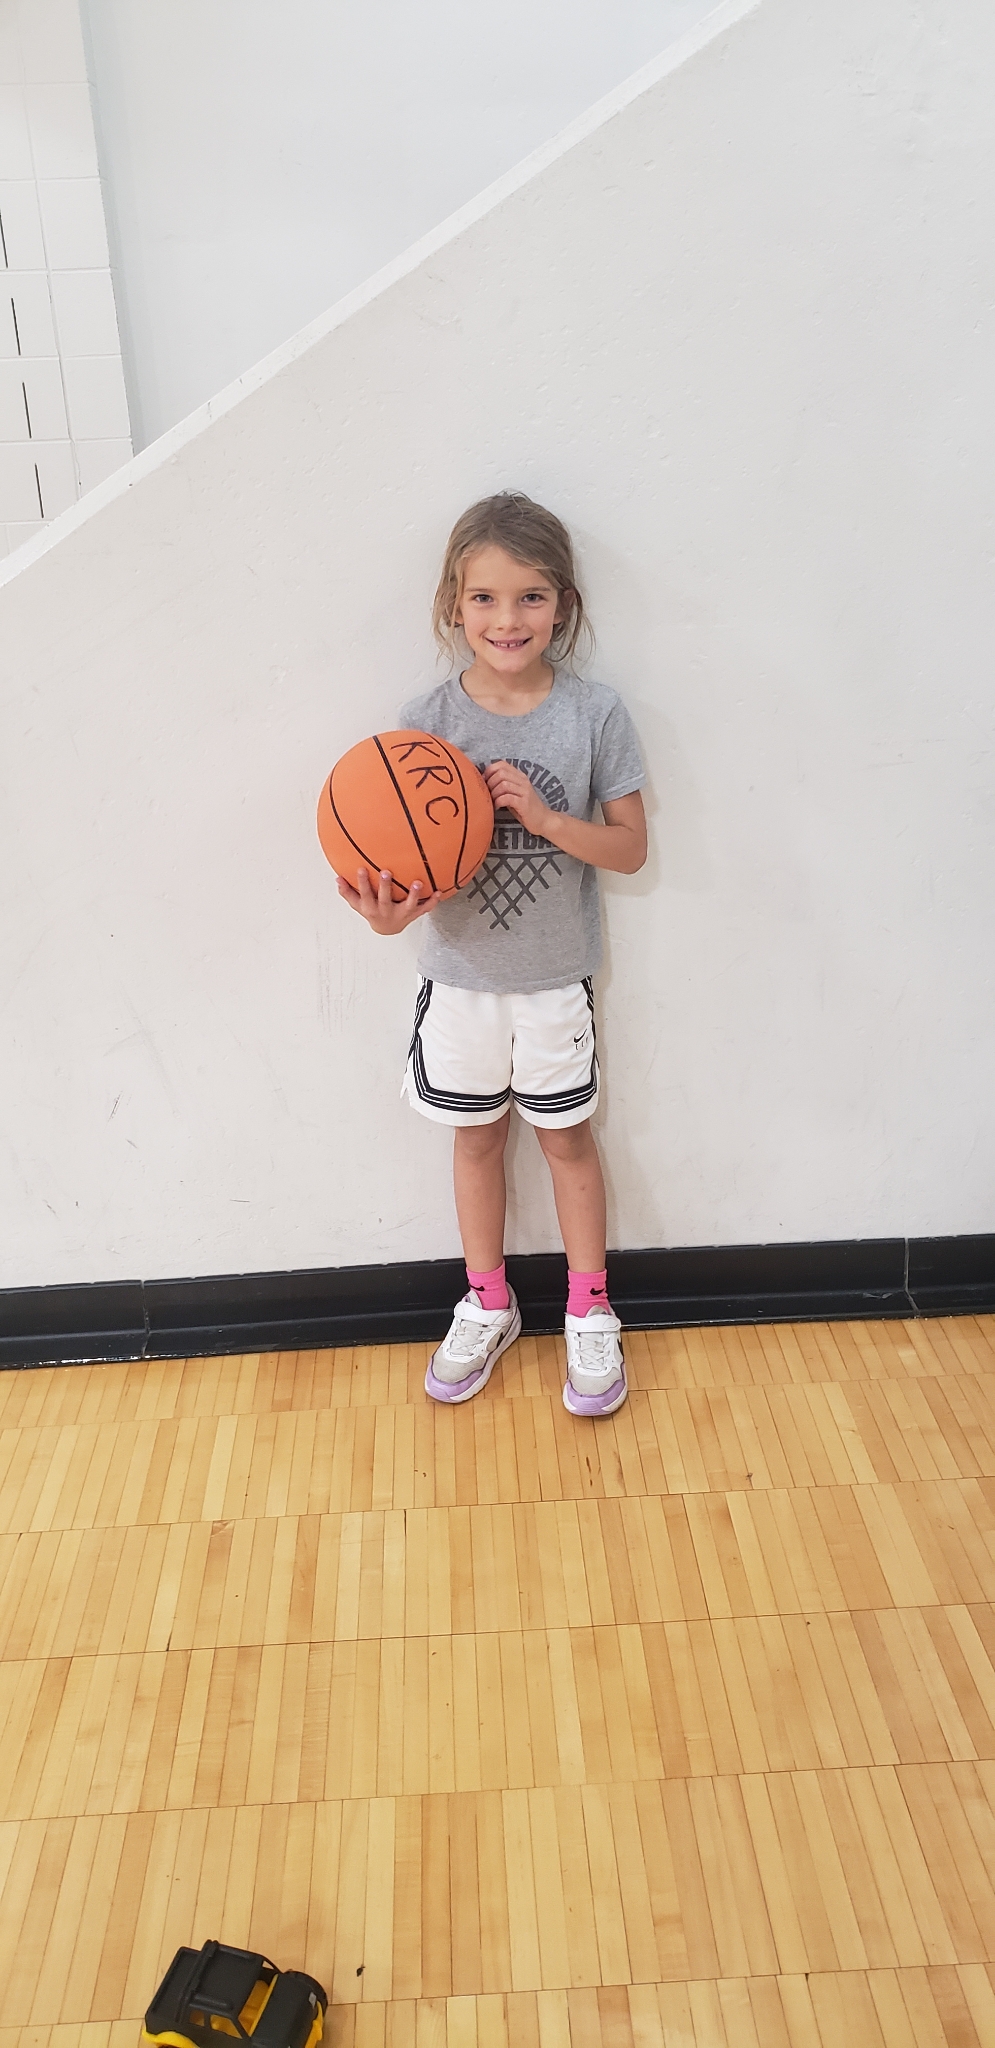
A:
(677, 54)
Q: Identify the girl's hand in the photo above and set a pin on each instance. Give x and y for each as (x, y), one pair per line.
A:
(382, 914)
(512, 791)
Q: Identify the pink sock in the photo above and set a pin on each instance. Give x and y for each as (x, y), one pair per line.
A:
(587, 1290)
(491, 1287)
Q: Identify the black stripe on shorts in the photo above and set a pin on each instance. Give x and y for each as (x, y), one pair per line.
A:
(569, 1098)
(440, 1098)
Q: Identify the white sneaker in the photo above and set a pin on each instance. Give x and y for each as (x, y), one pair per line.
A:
(466, 1358)
(595, 1382)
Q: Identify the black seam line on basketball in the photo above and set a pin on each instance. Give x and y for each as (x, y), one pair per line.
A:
(414, 829)
(367, 857)
(466, 814)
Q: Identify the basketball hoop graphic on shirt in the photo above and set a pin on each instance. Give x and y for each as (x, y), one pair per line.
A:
(518, 865)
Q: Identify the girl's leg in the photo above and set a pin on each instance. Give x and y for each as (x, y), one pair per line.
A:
(595, 1382)
(579, 1193)
(479, 1187)
(487, 1319)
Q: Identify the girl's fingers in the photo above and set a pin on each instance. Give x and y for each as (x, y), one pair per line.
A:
(510, 789)
(380, 910)
(416, 902)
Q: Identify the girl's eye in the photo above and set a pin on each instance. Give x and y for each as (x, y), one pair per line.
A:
(528, 597)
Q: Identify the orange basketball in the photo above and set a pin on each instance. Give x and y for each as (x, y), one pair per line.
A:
(410, 803)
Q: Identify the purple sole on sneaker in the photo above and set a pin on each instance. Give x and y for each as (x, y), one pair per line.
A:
(595, 1404)
(456, 1390)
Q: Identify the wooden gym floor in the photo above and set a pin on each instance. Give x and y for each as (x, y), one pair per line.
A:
(518, 1732)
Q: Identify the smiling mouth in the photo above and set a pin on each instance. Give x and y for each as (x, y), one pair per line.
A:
(509, 645)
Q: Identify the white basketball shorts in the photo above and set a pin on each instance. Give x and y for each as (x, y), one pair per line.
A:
(472, 1054)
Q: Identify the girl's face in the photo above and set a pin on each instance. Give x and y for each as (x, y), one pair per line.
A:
(507, 610)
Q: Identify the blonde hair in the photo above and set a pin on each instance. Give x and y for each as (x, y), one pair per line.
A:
(530, 535)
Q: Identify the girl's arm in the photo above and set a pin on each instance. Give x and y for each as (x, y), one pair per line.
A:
(619, 844)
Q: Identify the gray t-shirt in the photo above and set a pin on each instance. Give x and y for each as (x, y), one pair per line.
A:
(530, 919)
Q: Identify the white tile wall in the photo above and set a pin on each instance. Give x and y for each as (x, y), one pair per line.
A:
(22, 244)
(97, 459)
(61, 128)
(17, 160)
(72, 214)
(28, 314)
(56, 464)
(64, 421)
(13, 404)
(11, 60)
(86, 313)
(32, 400)
(23, 498)
(52, 41)
(98, 407)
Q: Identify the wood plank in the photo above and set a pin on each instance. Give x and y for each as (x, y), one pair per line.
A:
(557, 1735)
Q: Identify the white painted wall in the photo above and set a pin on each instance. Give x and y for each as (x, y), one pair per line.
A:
(262, 160)
(63, 412)
(740, 335)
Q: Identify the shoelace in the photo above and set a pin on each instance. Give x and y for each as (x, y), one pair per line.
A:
(467, 1339)
(593, 1348)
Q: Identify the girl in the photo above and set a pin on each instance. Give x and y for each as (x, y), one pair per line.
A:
(505, 1009)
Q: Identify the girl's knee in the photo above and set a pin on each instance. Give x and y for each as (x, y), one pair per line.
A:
(575, 1141)
(482, 1141)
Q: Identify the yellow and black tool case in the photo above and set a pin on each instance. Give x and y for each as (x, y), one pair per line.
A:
(217, 1990)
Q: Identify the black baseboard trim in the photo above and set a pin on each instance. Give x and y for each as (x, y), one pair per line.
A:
(850, 1279)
